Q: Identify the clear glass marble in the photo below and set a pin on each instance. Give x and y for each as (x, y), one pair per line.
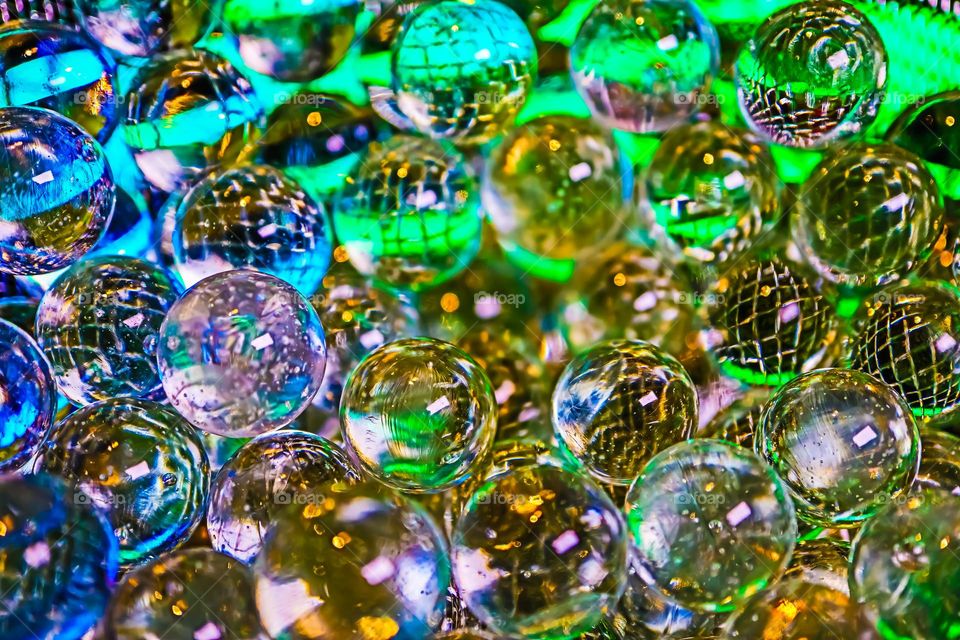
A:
(141, 27)
(28, 397)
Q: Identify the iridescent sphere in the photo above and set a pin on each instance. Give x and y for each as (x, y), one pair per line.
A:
(712, 524)
(462, 69)
(939, 461)
(910, 339)
(58, 561)
(711, 190)
(255, 217)
(867, 214)
(241, 353)
(767, 322)
(408, 215)
(57, 191)
(141, 27)
(267, 474)
(905, 566)
(28, 397)
(553, 189)
(99, 324)
(189, 111)
(618, 403)
(812, 74)
(540, 552)
(644, 65)
(366, 564)
(141, 464)
(44, 64)
(196, 594)
(843, 442)
(418, 413)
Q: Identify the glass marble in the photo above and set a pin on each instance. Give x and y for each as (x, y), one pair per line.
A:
(645, 65)
(926, 128)
(465, 634)
(267, 474)
(59, 11)
(141, 464)
(194, 594)
(822, 561)
(867, 214)
(909, 339)
(363, 563)
(418, 413)
(28, 397)
(189, 111)
(939, 461)
(843, 442)
(711, 190)
(540, 552)
(142, 27)
(58, 561)
(409, 213)
(241, 353)
(812, 74)
(905, 567)
(553, 189)
(57, 192)
(739, 421)
(255, 217)
(461, 70)
(99, 325)
(618, 403)
(712, 524)
(44, 64)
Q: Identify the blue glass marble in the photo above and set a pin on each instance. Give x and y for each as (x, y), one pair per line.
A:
(28, 397)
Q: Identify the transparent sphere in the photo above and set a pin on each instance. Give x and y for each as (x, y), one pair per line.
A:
(644, 65)
(408, 215)
(553, 189)
(711, 190)
(56, 191)
(294, 42)
(618, 403)
(812, 74)
(462, 70)
(843, 442)
(906, 566)
(910, 339)
(418, 413)
(738, 422)
(189, 111)
(540, 552)
(939, 461)
(366, 564)
(58, 561)
(465, 634)
(99, 325)
(926, 129)
(28, 397)
(867, 214)
(44, 64)
(141, 464)
(822, 561)
(255, 217)
(193, 594)
(241, 353)
(267, 474)
(767, 322)
(141, 27)
(712, 524)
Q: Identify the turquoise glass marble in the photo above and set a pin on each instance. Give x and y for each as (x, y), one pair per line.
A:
(28, 397)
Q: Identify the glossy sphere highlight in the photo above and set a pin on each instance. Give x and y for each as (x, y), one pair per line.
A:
(141, 27)
(618, 403)
(540, 552)
(99, 325)
(812, 74)
(58, 561)
(28, 397)
(267, 474)
(408, 215)
(141, 464)
(843, 442)
(241, 353)
(360, 563)
(57, 191)
(462, 70)
(712, 524)
(185, 595)
(252, 217)
(644, 65)
(418, 413)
